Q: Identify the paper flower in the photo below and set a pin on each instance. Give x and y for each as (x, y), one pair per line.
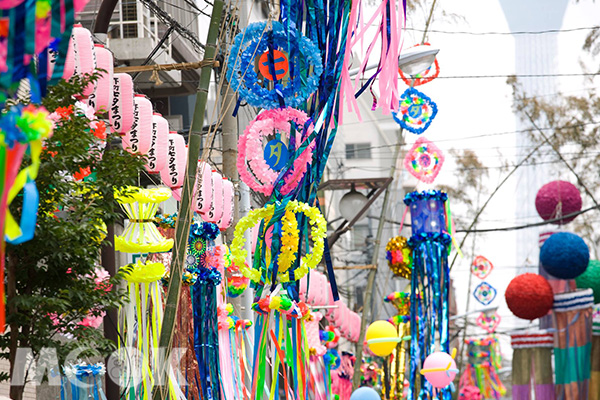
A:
(416, 112)
(424, 160)
(489, 323)
(481, 267)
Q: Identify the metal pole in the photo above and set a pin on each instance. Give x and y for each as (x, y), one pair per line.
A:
(367, 309)
(184, 218)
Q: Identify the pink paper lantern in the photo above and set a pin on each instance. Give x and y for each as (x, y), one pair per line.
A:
(121, 111)
(101, 98)
(159, 142)
(228, 209)
(139, 137)
(203, 188)
(215, 212)
(173, 173)
(81, 56)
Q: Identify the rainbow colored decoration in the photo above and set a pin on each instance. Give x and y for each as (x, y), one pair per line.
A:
(481, 267)
(424, 160)
(416, 112)
(484, 293)
(489, 323)
(482, 367)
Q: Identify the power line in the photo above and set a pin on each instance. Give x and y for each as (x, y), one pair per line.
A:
(507, 33)
(516, 76)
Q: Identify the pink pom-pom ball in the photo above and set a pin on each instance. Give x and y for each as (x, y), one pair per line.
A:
(556, 199)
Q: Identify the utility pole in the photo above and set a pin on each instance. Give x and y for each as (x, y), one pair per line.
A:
(184, 218)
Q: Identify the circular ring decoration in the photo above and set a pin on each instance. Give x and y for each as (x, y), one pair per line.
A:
(481, 267)
(424, 160)
(420, 79)
(318, 232)
(416, 112)
(259, 167)
(253, 44)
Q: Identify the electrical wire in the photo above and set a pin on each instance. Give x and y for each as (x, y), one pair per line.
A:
(507, 33)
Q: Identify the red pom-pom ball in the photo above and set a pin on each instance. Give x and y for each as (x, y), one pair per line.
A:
(558, 198)
(529, 296)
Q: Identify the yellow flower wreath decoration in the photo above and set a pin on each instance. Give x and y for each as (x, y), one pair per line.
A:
(289, 240)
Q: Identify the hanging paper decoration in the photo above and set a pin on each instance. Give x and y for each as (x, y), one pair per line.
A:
(481, 267)
(203, 188)
(140, 234)
(173, 173)
(283, 267)
(416, 112)
(439, 369)
(484, 293)
(481, 371)
(424, 160)
(237, 283)
(143, 311)
(425, 77)
(81, 57)
(122, 108)
(489, 323)
(266, 145)
(101, 99)
(82, 381)
(22, 130)
(277, 50)
(430, 283)
(158, 151)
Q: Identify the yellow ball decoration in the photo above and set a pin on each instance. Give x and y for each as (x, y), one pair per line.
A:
(382, 338)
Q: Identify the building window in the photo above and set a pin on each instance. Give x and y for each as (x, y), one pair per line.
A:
(358, 151)
(129, 10)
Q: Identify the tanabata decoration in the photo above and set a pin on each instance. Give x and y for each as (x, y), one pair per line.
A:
(140, 234)
(281, 268)
(483, 363)
(399, 256)
(430, 282)
(481, 267)
(572, 343)
(400, 300)
(564, 255)
(139, 138)
(425, 77)
(82, 381)
(558, 199)
(382, 338)
(532, 365)
(81, 57)
(22, 130)
(440, 369)
(595, 373)
(529, 296)
(142, 316)
(266, 145)
(173, 173)
(280, 52)
(484, 293)
(424, 160)
(365, 393)
(237, 283)
(489, 323)
(416, 112)
(590, 279)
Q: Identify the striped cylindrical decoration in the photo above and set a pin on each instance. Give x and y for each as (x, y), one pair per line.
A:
(101, 98)
(173, 173)
(121, 111)
(540, 338)
(157, 154)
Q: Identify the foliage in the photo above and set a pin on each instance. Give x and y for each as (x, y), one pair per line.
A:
(54, 274)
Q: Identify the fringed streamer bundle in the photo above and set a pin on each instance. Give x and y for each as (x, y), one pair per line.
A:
(482, 368)
(142, 321)
(82, 382)
(392, 18)
(430, 284)
(141, 235)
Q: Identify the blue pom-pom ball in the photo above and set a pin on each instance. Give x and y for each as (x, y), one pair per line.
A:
(565, 255)
(365, 393)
